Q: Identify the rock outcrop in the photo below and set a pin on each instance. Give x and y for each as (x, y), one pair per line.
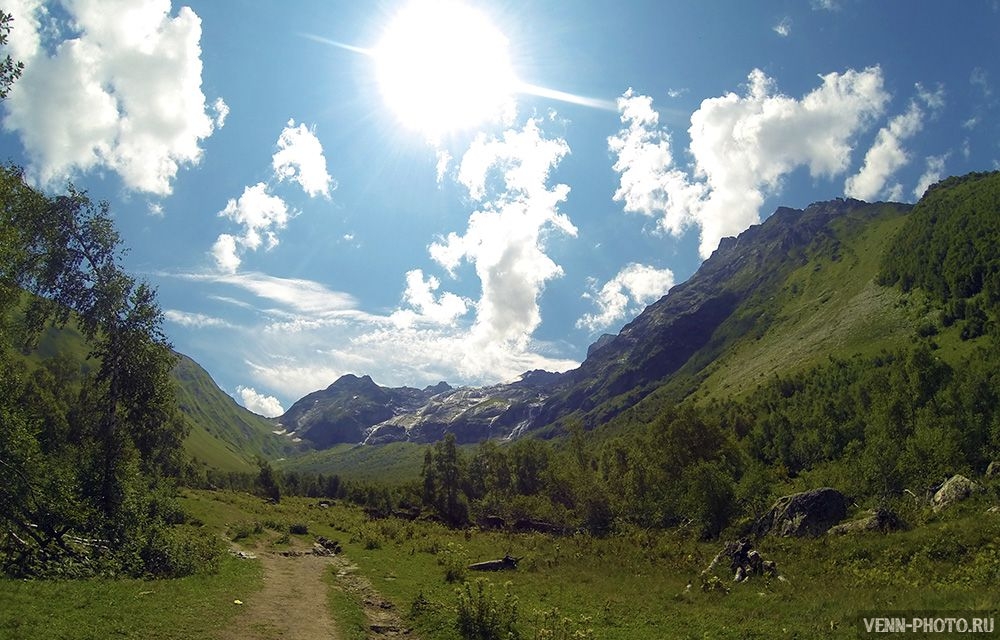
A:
(955, 489)
(810, 513)
(881, 520)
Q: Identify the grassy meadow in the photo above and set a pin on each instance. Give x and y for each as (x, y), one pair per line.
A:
(631, 584)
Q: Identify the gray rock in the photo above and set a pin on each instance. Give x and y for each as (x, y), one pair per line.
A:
(955, 489)
(881, 520)
(993, 470)
(810, 513)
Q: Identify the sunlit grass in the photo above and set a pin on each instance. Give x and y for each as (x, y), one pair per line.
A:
(183, 609)
(634, 584)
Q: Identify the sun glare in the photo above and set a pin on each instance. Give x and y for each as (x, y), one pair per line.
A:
(442, 66)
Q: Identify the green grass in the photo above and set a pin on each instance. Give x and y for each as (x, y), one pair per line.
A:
(633, 584)
(182, 609)
(393, 463)
(348, 614)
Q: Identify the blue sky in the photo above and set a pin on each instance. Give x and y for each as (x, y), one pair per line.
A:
(428, 190)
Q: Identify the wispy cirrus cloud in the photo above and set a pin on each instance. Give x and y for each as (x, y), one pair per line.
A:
(742, 147)
(196, 320)
(119, 90)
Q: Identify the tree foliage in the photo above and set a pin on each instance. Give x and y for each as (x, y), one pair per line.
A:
(87, 444)
(10, 70)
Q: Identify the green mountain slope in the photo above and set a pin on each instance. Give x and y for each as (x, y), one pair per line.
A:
(223, 435)
(841, 299)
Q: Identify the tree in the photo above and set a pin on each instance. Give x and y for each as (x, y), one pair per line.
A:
(9, 69)
(267, 481)
(89, 449)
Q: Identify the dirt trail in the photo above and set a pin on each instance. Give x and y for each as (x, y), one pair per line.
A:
(293, 603)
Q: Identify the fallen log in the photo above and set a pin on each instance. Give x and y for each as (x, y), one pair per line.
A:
(507, 563)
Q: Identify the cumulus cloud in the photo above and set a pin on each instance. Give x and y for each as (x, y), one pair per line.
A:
(742, 147)
(300, 158)
(261, 214)
(650, 183)
(225, 253)
(634, 287)
(933, 171)
(423, 306)
(888, 153)
(505, 238)
(885, 157)
(221, 110)
(267, 406)
(120, 90)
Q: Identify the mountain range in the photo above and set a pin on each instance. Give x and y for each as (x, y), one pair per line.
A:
(782, 297)
(763, 286)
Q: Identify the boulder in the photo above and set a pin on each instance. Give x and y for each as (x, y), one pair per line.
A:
(881, 520)
(810, 513)
(993, 470)
(955, 489)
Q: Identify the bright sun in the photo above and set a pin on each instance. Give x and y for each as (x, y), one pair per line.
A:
(442, 66)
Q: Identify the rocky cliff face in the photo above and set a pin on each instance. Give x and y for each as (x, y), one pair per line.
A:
(355, 409)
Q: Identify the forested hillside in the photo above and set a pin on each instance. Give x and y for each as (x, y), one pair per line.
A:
(90, 449)
(894, 391)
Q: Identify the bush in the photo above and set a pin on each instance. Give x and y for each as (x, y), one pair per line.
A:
(242, 530)
(482, 616)
(454, 561)
(173, 552)
(298, 529)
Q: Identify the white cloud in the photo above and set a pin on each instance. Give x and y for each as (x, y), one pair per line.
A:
(300, 158)
(886, 156)
(122, 92)
(635, 286)
(443, 162)
(933, 171)
(650, 184)
(300, 296)
(221, 110)
(784, 27)
(224, 252)
(826, 5)
(195, 320)
(424, 307)
(505, 239)
(742, 146)
(267, 406)
(980, 78)
(261, 215)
